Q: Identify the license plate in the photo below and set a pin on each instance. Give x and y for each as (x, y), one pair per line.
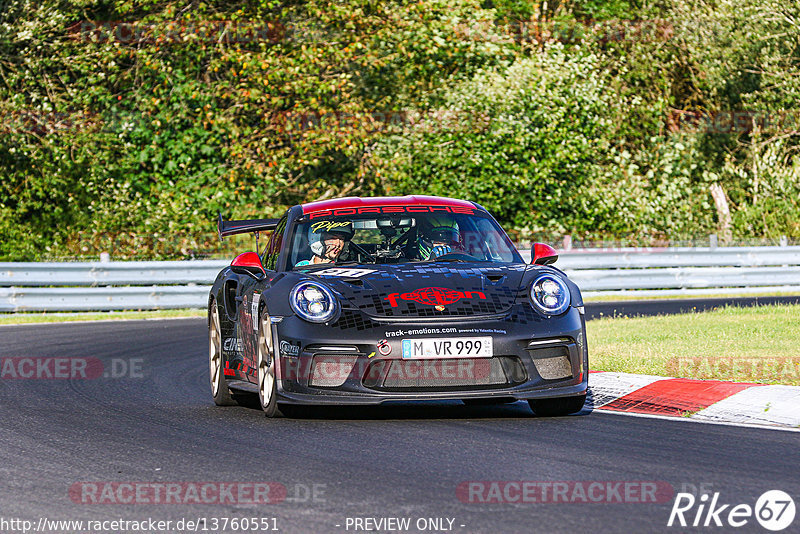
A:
(459, 347)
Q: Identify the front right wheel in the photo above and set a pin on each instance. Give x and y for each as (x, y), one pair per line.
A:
(219, 385)
(557, 406)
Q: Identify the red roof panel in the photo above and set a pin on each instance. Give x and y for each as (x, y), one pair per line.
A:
(410, 200)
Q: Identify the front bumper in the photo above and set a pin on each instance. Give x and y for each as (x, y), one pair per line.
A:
(349, 362)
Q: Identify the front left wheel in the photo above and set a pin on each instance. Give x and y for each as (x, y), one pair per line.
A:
(267, 383)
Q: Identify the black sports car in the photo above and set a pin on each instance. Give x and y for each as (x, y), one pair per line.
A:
(367, 300)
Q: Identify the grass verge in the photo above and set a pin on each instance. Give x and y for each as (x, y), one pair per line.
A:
(756, 344)
(29, 318)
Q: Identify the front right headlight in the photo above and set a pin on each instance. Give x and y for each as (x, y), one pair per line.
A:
(313, 302)
(550, 294)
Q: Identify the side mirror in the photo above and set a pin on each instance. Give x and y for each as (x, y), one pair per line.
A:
(542, 254)
(248, 263)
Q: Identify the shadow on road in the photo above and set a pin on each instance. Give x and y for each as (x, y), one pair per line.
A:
(420, 410)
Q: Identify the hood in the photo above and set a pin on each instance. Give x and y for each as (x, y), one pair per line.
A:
(426, 289)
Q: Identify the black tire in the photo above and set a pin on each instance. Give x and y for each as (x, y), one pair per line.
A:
(557, 406)
(267, 381)
(489, 401)
(219, 384)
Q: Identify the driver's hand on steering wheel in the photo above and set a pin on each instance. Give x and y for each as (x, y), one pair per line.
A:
(440, 250)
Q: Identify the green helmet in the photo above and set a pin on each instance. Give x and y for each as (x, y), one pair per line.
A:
(437, 235)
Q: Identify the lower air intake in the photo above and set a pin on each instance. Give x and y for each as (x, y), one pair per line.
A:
(331, 370)
(552, 363)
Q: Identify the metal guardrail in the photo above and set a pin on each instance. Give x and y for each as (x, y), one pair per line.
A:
(677, 257)
(16, 299)
(110, 273)
(185, 284)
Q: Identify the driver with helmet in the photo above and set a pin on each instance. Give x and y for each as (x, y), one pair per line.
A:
(438, 236)
(329, 242)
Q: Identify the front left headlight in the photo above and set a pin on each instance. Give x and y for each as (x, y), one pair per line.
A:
(550, 294)
(313, 302)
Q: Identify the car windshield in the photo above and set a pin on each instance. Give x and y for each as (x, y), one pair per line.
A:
(380, 238)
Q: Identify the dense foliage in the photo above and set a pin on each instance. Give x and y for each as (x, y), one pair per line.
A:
(127, 125)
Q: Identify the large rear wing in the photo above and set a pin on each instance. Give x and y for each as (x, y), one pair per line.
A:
(226, 228)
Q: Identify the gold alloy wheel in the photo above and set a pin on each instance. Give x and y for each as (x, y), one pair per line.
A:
(219, 385)
(266, 368)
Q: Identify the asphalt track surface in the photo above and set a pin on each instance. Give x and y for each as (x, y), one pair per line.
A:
(393, 461)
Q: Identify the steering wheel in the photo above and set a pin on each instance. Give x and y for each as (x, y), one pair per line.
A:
(360, 249)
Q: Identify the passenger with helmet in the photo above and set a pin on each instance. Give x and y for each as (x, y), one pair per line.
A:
(438, 235)
(329, 242)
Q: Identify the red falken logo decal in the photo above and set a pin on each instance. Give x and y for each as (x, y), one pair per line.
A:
(434, 296)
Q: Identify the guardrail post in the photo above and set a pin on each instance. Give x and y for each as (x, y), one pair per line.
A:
(712, 241)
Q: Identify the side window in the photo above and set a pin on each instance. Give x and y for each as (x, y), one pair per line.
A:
(489, 243)
(271, 254)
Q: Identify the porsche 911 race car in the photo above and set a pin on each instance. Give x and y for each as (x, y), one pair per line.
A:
(368, 300)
